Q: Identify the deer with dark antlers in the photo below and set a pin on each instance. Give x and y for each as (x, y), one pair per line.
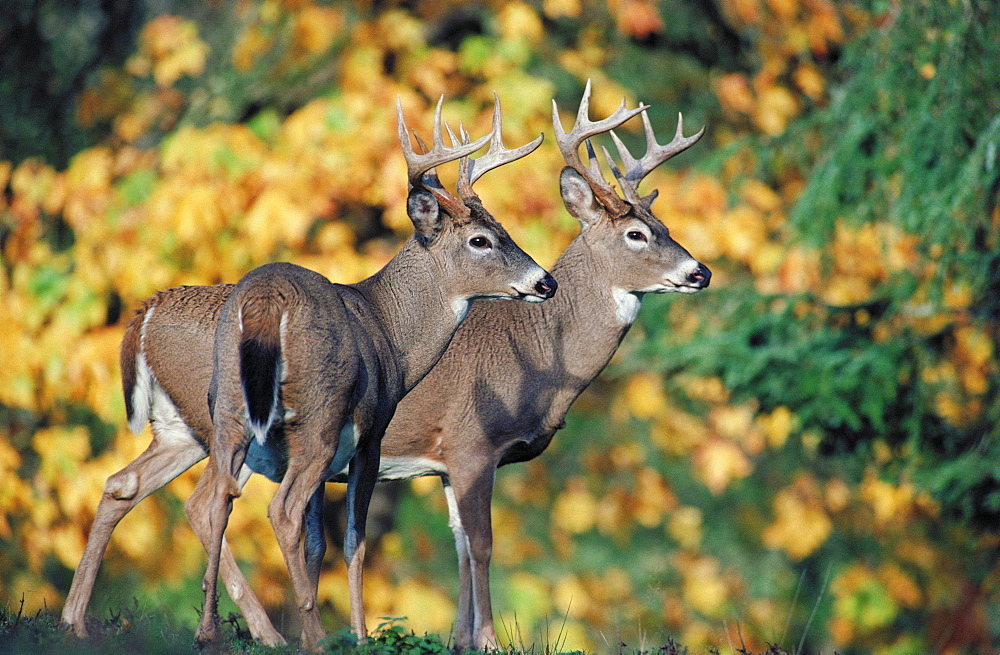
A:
(308, 371)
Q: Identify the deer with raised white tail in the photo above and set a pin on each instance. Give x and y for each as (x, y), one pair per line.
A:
(503, 387)
(308, 370)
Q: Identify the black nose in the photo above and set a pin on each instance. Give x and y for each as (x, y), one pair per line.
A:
(546, 288)
(701, 276)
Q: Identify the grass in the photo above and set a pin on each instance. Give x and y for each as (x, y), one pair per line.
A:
(132, 630)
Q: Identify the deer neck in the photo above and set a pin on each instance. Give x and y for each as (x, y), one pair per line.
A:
(417, 315)
(585, 318)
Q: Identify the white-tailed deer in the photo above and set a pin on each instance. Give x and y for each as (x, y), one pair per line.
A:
(499, 393)
(510, 374)
(310, 370)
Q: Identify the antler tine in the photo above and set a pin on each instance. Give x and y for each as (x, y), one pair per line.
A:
(498, 155)
(583, 129)
(418, 165)
(656, 154)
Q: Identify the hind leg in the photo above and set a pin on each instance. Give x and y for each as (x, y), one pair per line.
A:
(213, 496)
(236, 585)
(160, 463)
(287, 512)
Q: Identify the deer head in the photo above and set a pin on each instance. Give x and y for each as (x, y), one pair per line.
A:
(634, 247)
(478, 248)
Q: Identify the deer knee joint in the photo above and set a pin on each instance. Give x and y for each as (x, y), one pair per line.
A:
(122, 486)
(232, 487)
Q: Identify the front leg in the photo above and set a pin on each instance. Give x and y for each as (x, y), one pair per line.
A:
(472, 490)
(361, 478)
(464, 624)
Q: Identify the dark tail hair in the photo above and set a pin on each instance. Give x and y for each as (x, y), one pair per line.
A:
(260, 363)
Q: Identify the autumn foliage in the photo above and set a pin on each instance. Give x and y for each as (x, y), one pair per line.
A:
(816, 430)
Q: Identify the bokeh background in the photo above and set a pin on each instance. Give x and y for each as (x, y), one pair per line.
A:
(806, 452)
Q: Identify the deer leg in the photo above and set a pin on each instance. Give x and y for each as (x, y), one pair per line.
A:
(239, 590)
(315, 539)
(160, 463)
(465, 622)
(214, 494)
(287, 511)
(361, 478)
(473, 493)
(236, 584)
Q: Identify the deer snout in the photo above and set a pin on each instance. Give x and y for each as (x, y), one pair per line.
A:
(700, 276)
(538, 289)
(546, 287)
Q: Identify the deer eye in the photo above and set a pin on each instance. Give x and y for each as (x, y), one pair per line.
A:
(635, 235)
(480, 242)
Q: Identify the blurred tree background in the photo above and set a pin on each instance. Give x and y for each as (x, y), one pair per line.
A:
(807, 451)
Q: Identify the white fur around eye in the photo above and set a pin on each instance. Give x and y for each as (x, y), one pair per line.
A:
(640, 243)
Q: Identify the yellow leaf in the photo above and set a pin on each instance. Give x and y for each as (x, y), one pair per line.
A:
(653, 498)
(800, 525)
(800, 271)
(809, 80)
(574, 509)
(760, 196)
(685, 526)
(520, 21)
(316, 28)
(718, 462)
(900, 585)
(427, 608)
(704, 588)
(251, 44)
(169, 47)
(570, 595)
(775, 106)
(747, 11)
(644, 395)
(558, 8)
(785, 10)
(777, 426)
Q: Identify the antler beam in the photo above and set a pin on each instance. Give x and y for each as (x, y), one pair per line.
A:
(583, 129)
(496, 156)
(418, 164)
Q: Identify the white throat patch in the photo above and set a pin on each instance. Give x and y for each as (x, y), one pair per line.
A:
(627, 306)
(461, 308)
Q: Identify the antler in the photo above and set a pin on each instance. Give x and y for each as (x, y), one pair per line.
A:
(470, 170)
(636, 170)
(583, 129)
(420, 167)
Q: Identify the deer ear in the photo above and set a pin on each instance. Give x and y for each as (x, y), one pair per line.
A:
(579, 197)
(424, 211)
